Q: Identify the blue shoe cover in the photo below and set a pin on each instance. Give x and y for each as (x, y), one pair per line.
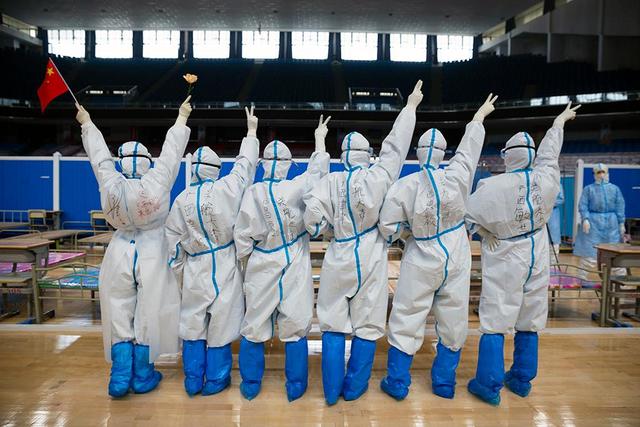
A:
(145, 377)
(332, 366)
(193, 355)
(296, 368)
(121, 368)
(251, 367)
(396, 383)
(525, 363)
(443, 372)
(359, 367)
(219, 362)
(490, 372)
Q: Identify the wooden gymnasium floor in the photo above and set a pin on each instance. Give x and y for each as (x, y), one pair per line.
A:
(55, 374)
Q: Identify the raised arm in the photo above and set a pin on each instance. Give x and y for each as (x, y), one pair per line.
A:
(167, 166)
(96, 148)
(244, 168)
(396, 145)
(546, 162)
(463, 165)
(319, 161)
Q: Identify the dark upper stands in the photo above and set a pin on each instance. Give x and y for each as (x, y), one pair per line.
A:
(515, 77)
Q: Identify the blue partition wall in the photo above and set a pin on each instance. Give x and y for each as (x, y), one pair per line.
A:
(78, 191)
(26, 184)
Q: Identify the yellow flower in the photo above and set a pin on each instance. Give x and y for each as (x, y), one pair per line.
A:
(190, 78)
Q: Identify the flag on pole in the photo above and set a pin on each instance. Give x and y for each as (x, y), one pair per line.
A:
(52, 86)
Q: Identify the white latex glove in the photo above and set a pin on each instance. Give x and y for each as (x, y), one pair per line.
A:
(622, 230)
(485, 109)
(568, 114)
(252, 122)
(586, 226)
(184, 112)
(321, 133)
(489, 238)
(83, 116)
(416, 96)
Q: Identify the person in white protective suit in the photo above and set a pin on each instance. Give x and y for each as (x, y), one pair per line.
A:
(601, 209)
(510, 212)
(202, 254)
(139, 297)
(353, 293)
(436, 264)
(278, 285)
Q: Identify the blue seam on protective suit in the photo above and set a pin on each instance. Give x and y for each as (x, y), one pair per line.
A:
(135, 153)
(271, 180)
(135, 262)
(315, 233)
(348, 239)
(529, 143)
(280, 224)
(433, 138)
(198, 165)
(213, 250)
(442, 246)
(435, 236)
(278, 248)
(353, 221)
(533, 257)
(195, 184)
(348, 150)
(173, 258)
(206, 236)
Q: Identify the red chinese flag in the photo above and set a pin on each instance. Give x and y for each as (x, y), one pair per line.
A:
(52, 86)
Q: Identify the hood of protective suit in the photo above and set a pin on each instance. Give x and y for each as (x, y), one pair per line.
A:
(601, 167)
(519, 152)
(205, 164)
(135, 159)
(355, 151)
(276, 160)
(431, 148)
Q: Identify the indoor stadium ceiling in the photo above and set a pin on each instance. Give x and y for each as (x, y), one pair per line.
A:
(415, 16)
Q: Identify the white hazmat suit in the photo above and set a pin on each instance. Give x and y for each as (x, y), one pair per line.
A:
(353, 292)
(199, 234)
(435, 268)
(278, 284)
(510, 212)
(138, 293)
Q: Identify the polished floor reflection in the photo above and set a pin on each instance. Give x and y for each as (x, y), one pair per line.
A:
(586, 378)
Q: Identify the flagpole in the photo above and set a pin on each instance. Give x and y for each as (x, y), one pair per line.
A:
(64, 81)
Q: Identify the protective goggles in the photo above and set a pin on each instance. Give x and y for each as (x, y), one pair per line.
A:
(206, 164)
(368, 150)
(504, 150)
(135, 155)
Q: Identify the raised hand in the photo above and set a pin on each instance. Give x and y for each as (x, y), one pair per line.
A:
(416, 96)
(252, 122)
(486, 108)
(321, 133)
(184, 111)
(568, 114)
(82, 116)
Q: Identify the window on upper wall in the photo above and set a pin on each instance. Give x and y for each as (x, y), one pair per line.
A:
(160, 43)
(409, 47)
(310, 45)
(359, 46)
(114, 44)
(260, 44)
(66, 43)
(211, 44)
(454, 48)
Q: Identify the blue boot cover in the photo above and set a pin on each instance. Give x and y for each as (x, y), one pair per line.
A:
(332, 365)
(490, 373)
(396, 383)
(443, 372)
(296, 368)
(193, 354)
(359, 367)
(525, 364)
(121, 368)
(251, 367)
(219, 361)
(145, 377)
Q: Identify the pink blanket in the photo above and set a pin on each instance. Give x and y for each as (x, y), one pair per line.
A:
(54, 258)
